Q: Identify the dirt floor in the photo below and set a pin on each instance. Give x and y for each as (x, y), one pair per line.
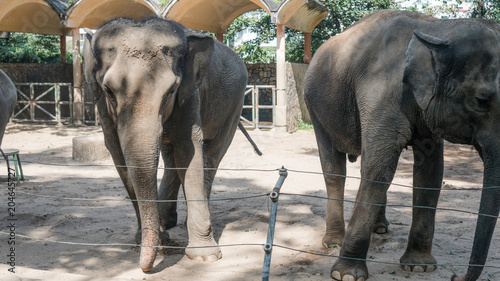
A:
(68, 215)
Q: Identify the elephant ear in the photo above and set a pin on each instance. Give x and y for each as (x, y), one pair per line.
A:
(428, 62)
(89, 63)
(196, 64)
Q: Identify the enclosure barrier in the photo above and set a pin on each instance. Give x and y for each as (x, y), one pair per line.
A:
(274, 195)
(255, 92)
(30, 101)
(268, 247)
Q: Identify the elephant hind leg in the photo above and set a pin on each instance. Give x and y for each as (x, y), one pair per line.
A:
(169, 190)
(333, 163)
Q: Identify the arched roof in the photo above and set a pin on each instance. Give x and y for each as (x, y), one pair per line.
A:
(216, 15)
(94, 13)
(302, 15)
(212, 15)
(32, 16)
(55, 17)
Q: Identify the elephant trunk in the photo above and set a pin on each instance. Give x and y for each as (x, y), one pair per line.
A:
(140, 143)
(489, 209)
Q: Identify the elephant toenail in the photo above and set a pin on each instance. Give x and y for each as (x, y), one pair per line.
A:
(336, 275)
(198, 258)
(418, 269)
(348, 278)
(406, 268)
(212, 258)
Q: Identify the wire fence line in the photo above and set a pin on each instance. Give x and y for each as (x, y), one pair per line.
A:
(266, 194)
(250, 197)
(253, 197)
(268, 170)
(371, 260)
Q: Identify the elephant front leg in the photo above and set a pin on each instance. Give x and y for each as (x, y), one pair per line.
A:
(428, 173)
(169, 189)
(202, 245)
(114, 147)
(378, 170)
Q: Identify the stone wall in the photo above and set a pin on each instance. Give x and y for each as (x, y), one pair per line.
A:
(294, 93)
(261, 74)
(265, 74)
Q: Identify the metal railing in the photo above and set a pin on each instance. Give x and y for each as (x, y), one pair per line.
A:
(255, 106)
(37, 105)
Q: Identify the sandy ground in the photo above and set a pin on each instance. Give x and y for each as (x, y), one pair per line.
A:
(300, 222)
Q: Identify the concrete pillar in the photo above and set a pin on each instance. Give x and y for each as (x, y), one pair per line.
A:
(307, 47)
(220, 37)
(77, 80)
(280, 114)
(63, 48)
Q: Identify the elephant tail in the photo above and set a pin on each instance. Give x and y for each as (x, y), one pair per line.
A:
(244, 131)
(352, 158)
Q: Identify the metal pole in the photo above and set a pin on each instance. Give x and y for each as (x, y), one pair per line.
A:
(268, 247)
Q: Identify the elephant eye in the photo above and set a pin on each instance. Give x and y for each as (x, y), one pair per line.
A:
(483, 103)
(110, 94)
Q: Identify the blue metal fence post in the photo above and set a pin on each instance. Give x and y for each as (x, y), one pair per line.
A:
(268, 247)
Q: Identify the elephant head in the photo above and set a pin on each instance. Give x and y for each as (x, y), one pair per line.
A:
(455, 80)
(139, 72)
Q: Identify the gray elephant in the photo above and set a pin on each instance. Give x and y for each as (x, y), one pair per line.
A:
(398, 79)
(8, 99)
(163, 88)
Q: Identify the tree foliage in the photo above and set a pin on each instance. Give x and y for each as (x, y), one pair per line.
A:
(31, 48)
(341, 14)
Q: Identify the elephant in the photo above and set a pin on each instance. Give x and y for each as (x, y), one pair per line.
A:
(163, 88)
(8, 99)
(396, 79)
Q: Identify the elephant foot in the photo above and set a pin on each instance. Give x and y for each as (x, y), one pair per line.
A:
(349, 270)
(454, 277)
(170, 221)
(332, 240)
(418, 262)
(381, 225)
(209, 251)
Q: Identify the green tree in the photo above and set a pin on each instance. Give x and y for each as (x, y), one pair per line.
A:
(341, 14)
(31, 48)
(251, 51)
(486, 9)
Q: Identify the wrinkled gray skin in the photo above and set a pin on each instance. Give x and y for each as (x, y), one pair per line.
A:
(398, 79)
(8, 99)
(163, 88)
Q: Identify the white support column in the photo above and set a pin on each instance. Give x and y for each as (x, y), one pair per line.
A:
(281, 102)
(77, 80)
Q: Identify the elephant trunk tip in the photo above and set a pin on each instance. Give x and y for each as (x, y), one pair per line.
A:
(148, 249)
(148, 256)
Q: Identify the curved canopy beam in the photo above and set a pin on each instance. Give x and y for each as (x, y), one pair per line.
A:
(32, 16)
(212, 15)
(302, 15)
(94, 13)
